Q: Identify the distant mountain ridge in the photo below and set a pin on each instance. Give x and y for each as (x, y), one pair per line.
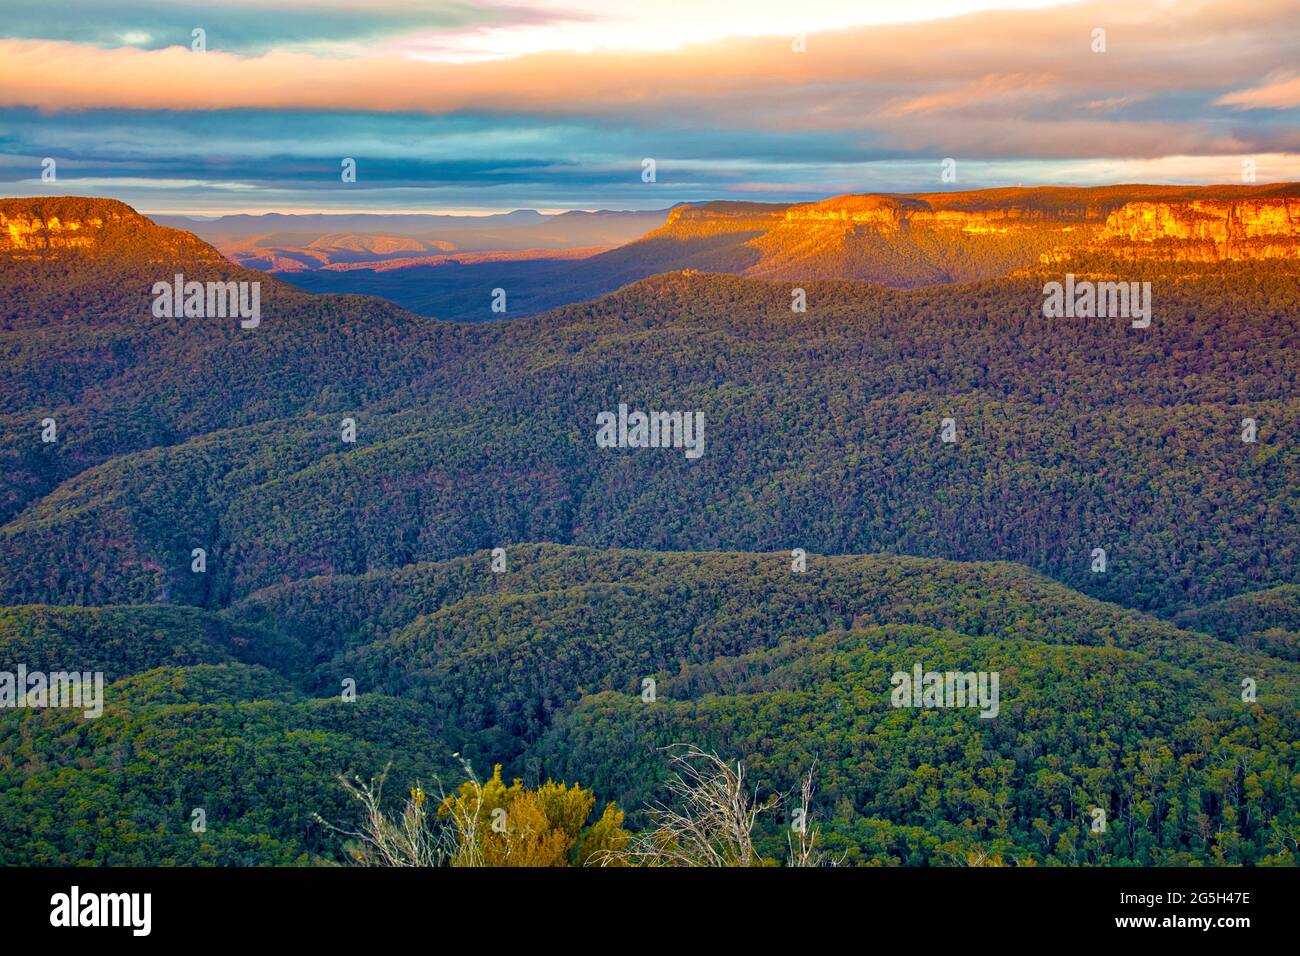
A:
(920, 239)
(278, 242)
(901, 240)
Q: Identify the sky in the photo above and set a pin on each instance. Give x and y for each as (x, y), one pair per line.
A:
(556, 104)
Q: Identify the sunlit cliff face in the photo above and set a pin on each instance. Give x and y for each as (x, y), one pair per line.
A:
(900, 214)
(895, 239)
(50, 227)
(716, 218)
(1040, 225)
(29, 232)
(1206, 230)
(48, 224)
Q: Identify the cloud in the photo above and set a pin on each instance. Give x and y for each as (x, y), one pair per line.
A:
(96, 185)
(257, 26)
(1277, 95)
(990, 60)
(997, 90)
(1013, 95)
(1112, 104)
(456, 30)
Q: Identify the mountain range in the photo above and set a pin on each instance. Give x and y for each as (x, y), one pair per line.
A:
(898, 240)
(949, 459)
(279, 242)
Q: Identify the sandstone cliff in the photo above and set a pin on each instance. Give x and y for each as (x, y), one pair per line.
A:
(958, 236)
(59, 226)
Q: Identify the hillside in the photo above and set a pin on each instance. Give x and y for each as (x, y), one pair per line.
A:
(823, 432)
(81, 343)
(1267, 620)
(542, 667)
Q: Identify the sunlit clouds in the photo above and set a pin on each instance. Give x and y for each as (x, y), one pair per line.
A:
(531, 103)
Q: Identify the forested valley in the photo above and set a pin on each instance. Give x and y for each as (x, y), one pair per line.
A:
(498, 590)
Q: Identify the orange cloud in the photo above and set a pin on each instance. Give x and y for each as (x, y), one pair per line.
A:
(1279, 95)
(918, 66)
(920, 86)
(996, 88)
